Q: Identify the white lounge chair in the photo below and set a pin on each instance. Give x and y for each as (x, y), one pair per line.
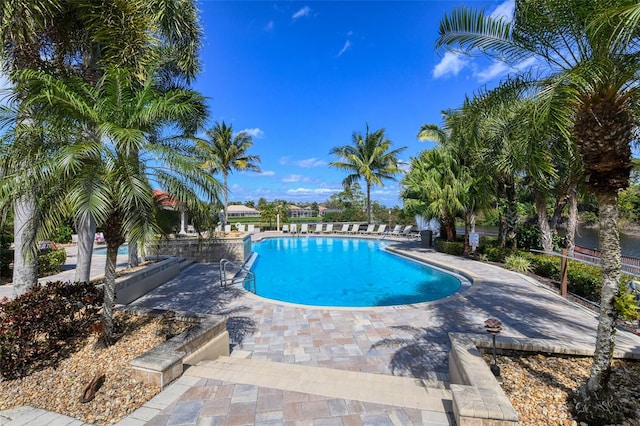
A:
(285, 228)
(227, 229)
(328, 229)
(304, 228)
(406, 232)
(294, 228)
(380, 230)
(318, 229)
(251, 228)
(369, 229)
(345, 228)
(355, 228)
(240, 227)
(396, 230)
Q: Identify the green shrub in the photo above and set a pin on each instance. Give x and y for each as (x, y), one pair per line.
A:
(517, 263)
(36, 325)
(528, 237)
(450, 247)
(589, 218)
(584, 280)
(496, 254)
(50, 261)
(544, 265)
(63, 234)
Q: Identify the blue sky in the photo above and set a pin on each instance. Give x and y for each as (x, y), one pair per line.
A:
(301, 77)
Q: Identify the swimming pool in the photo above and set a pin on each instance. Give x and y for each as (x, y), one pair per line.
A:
(346, 272)
(123, 249)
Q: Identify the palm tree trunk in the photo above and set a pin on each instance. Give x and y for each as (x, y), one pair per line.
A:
(109, 291)
(114, 238)
(25, 260)
(561, 202)
(511, 216)
(546, 241)
(467, 221)
(133, 259)
(368, 202)
(226, 198)
(86, 227)
(572, 222)
(605, 341)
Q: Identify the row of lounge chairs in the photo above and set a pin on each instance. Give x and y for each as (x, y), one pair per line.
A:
(320, 228)
(250, 228)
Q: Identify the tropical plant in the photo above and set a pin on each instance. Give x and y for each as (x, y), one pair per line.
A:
(462, 143)
(81, 39)
(435, 187)
(517, 263)
(587, 63)
(129, 117)
(368, 157)
(222, 152)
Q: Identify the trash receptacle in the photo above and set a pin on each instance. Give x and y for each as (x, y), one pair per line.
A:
(425, 237)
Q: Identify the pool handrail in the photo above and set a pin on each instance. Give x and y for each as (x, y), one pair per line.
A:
(246, 275)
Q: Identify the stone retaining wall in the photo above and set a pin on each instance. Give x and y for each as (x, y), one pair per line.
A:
(209, 250)
(136, 284)
(207, 340)
(478, 398)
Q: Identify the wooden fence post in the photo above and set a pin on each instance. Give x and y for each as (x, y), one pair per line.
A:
(564, 264)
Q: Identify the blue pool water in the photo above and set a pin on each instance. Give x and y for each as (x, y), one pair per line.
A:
(344, 272)
(124, 249)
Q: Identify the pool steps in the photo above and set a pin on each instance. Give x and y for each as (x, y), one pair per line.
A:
(351, 385)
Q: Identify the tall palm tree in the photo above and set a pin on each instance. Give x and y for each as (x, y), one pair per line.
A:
(368, 157)
(129, 118)
(589, 82)
(222, 152)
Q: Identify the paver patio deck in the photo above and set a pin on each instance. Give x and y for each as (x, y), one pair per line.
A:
(408, 340)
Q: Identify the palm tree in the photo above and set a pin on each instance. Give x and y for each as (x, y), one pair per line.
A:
(223, 153)
(588, 84)
(436, 186)
(129, 117)
(368, 158)
(93, 31)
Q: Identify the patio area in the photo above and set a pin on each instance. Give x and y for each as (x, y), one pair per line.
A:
(409, 341)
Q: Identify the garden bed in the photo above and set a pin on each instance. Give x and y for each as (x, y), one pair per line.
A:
(59, 388)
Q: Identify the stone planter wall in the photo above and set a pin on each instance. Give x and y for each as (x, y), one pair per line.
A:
(136, 284)
(235, 248)
(207, 340)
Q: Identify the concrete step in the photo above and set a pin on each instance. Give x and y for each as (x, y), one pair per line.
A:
(366, 387)
(185, 263)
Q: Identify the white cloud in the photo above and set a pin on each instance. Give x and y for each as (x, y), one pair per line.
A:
(305, 11)
(254, 133)
(267, 173)
(269, 26)
(318, 191)
(284, 160)
(347, 45)
(310, 162)
(496, 69)
(526, 64)
(292, 178)
(451, 64)
(499, 69)
(504, 10)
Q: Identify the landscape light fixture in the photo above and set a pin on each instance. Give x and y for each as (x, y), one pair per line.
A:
(493, 327)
